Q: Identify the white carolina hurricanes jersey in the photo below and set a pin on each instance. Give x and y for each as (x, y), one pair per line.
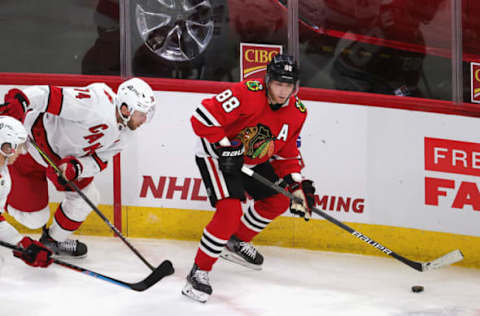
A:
(7, 232)
(78, 122)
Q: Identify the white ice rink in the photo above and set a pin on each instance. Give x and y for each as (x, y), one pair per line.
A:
(293, 282)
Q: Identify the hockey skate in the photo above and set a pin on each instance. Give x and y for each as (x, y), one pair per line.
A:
(68, 248)
(198, 285)
(242, 253)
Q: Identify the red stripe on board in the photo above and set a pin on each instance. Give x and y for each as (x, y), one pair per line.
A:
(203, 86)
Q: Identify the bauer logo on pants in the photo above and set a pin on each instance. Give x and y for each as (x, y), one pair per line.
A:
(475, 82)
(255, 58)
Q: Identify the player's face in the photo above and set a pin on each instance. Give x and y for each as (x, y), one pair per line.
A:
(10, 154)
(137, 120)
(279, 92)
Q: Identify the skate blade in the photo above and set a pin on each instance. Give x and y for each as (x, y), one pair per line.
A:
(60, 256)
(195, 295)
(229, 256)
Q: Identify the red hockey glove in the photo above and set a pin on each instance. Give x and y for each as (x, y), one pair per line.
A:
(305, 191)
(230, 158)
(16, 103)
(71, 169)
(35, 254)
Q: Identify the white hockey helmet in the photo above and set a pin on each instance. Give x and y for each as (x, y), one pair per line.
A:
(137, 95)
(11, 132)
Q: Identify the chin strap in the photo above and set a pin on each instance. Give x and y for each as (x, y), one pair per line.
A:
(275, 106)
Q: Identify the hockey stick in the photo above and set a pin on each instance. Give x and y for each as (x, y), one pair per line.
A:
(89, 202)
(447, 259)
(163, 270)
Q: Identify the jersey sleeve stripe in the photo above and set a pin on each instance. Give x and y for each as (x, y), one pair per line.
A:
(205, 117)
(55, 100)
(202, 118)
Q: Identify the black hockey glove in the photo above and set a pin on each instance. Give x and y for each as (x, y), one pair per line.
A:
(230, 158)
(305, 191)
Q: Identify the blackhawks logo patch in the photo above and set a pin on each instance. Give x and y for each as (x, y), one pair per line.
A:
(254, 85)
(258, 141)
(300, 105)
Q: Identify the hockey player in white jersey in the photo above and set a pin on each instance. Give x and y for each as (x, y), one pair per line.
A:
(80, 129)
(12, 141)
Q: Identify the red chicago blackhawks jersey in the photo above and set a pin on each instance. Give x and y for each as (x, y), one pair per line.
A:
(243, 112)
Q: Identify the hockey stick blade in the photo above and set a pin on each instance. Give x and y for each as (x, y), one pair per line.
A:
(448, 259)
(163, 270)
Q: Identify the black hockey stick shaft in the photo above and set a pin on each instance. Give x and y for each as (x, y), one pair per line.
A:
(89, 202)
(163, 270)
(415, 265)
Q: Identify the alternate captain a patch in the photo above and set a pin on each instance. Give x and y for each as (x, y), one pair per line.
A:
(254, 85)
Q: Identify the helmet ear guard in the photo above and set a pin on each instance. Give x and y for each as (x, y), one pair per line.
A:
(136, 95)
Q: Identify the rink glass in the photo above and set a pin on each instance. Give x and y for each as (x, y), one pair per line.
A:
(387, 47)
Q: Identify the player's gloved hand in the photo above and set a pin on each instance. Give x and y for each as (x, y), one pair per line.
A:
(15, 104)
(35, 254)
(230, 158)
(71, 169)
(305, 191)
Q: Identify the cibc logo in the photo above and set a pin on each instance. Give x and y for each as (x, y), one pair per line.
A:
(460, 160)
(255, 58)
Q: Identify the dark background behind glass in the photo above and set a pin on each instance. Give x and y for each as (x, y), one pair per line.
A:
(48, 36)
(343, 44)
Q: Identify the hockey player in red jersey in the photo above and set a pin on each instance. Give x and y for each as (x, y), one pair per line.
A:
(80, 129)
(254, 123)
(12, 141)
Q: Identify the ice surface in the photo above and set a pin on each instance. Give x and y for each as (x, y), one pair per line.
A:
(293, 282)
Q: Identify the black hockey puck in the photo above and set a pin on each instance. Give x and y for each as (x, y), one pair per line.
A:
(417, 288)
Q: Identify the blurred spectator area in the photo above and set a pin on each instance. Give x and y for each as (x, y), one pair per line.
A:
(396, 47)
